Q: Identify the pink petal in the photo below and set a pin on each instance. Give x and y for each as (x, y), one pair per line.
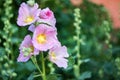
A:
(22, 58)
(31, 28)
(26, 42)
(61, 62)
(50, 37)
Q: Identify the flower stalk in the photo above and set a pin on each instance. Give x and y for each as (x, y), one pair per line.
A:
(36, 64)
(42, 25)
(41, 73)
(43, 66)
(78, 41)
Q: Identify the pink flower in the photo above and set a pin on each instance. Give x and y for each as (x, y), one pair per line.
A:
(27, 14)
(31, 28)
(58, 56)
(44, 37)
(26, 49)
(47, 16)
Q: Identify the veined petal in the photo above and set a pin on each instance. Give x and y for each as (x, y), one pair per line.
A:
(22, 58)
(27, 49)
(47, 16)
(44, 37)
(58, 56)
(27, 14)
(31, 28)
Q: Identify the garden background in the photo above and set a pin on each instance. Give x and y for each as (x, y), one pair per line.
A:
(93, 46)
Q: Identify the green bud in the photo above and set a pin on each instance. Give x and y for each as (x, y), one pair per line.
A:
(26, 54)
(51, 68)
(9, 1)
(100, 72)
(79, 62)
(14, 74)
(107, 41)
(117, 60)
(1, 59)
(5, 57)
(9, 40)
(4, 36)
(3, 72)
(26, 51)
(6, 65)
(79, 21)
(4, 43)
(10, 62)
(76, 48)
(76, 19)
(75, 37)
(31, 2)
(75, 24)
(7, 48)
(9, 71)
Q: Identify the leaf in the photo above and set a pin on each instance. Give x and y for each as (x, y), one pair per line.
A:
(85, 75)
(86, 60)
(31, 77)
(71, 61)
(30, 66)
(15, 40)
(26, 66)
(52, 77)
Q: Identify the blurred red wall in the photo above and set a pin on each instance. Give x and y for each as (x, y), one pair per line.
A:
(113, 7)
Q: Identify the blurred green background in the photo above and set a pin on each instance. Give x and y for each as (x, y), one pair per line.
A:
(98, 50)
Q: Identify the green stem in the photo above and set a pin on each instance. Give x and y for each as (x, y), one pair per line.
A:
(36, 76)
(43, 66)
(35, 63)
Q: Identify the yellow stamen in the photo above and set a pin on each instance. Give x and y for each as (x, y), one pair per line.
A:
(29, 19)
(53, 55)
(32, 49)
(41, 38)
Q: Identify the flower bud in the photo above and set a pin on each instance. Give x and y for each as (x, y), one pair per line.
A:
(3, 72)
(31, 2)
(5, 57)
(11, 62)
(6, 65)
(1, 59)
(14, 74)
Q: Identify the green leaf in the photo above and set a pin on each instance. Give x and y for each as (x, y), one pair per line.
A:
(71, 61)
(31, 77)
(52, 77)
(85, 75)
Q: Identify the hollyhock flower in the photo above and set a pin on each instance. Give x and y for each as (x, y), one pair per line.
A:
(27, 14)
(31, 28)
(47, 16)
(44, 37)
(26, 49)
(58, 56)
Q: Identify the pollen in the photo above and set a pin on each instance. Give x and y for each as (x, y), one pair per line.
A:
(41, 38)
(53, 56)
(29, 19)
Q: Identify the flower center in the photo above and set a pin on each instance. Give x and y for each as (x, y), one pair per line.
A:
(41, 38)
(28, 50)
(29, 19)
(53, 55)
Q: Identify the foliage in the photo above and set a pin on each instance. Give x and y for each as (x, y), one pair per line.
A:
(99, 51)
